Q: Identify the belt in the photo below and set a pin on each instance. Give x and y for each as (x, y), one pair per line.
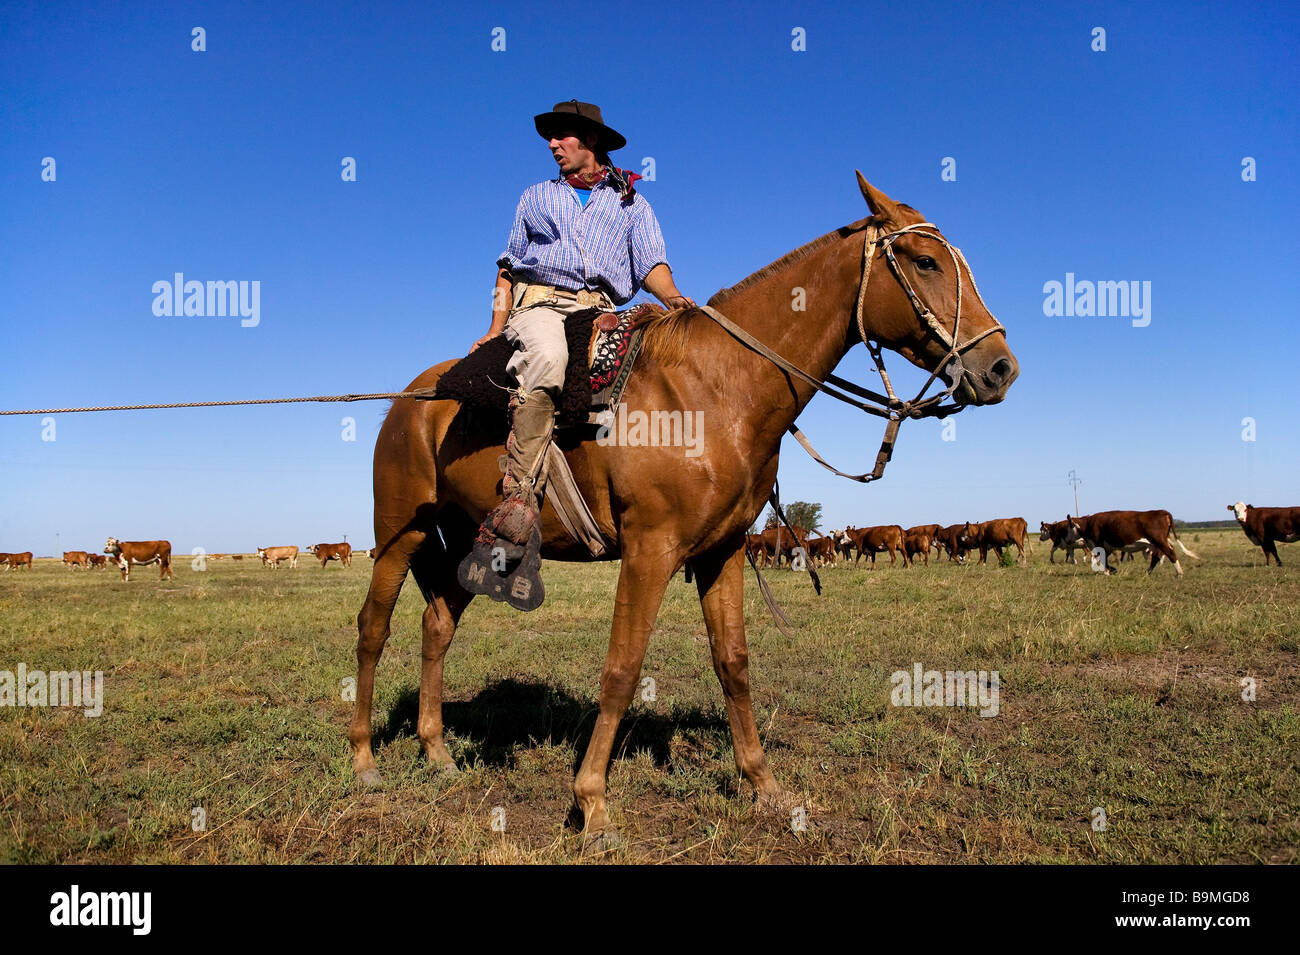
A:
(534, 294)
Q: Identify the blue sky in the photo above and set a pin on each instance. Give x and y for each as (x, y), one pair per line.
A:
(225, 164)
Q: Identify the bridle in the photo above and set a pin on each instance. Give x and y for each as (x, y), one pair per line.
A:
(888, 406)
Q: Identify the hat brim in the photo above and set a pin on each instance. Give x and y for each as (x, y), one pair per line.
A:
(609, 139)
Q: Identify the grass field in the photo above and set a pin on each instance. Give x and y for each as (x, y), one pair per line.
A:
(224, 693)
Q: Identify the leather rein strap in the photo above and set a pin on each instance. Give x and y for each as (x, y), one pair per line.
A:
(891, 408)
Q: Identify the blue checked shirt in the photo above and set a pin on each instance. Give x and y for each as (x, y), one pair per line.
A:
(605, 244)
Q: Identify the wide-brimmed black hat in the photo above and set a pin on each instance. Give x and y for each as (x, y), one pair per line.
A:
(581, 116)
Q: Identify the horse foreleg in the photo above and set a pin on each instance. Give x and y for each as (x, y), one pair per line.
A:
(372, 633)
(720, 581)
(641, 582)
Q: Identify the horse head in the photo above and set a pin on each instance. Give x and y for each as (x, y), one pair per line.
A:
(917, 271)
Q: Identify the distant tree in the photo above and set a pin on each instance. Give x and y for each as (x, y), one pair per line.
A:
(800, 514)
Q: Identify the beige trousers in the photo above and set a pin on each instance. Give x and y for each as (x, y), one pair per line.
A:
(541, 352)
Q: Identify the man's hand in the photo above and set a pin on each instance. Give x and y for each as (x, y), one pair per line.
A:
(483, 341)
(661, 285)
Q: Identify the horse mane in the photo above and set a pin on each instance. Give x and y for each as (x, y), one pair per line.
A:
(666, 333)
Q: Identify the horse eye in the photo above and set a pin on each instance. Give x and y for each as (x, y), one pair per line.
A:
(927, 263)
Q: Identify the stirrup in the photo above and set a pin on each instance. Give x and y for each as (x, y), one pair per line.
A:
(505, 571)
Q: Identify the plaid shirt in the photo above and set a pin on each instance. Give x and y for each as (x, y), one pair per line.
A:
(607, 244)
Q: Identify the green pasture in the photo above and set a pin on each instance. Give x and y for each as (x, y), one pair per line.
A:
(224, 692)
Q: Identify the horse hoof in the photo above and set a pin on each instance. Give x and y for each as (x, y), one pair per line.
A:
(595, 843)
(371, 779)
(776, 802)
(445, 769)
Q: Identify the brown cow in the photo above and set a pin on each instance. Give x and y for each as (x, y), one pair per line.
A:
(271, 556)
(16, 561)
(822, 550)
(1113, 530)
(328, 552)
(141, 552)
(97, 561)
(74, 559)
(955, 539)
(778, 542)
(874, 540)
(919, 540)
(997, 534)
(1266, 526)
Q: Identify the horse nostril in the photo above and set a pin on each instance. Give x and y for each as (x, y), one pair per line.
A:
(1003, 371)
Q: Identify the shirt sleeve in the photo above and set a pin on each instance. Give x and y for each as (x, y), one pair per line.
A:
(517, 243)
(646, 242)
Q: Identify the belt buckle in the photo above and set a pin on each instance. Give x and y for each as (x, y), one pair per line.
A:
(535, 294)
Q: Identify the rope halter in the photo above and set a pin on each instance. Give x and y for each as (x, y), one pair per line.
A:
(951, 363)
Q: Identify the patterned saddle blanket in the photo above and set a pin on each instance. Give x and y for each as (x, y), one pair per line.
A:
(603, 347)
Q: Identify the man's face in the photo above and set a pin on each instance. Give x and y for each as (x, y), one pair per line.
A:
(570, 150)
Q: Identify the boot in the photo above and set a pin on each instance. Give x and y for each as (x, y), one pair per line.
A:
(533, 418)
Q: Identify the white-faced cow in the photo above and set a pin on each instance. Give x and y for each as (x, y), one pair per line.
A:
(1114, 530)
(956, 539)
(271, 556)
(843, 542)
(141, 552)
(1266, 526)
(328, 552)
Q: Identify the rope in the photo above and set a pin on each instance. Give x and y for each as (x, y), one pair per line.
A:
(425, 394)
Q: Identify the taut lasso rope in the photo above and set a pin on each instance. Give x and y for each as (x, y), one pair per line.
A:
(420, 393)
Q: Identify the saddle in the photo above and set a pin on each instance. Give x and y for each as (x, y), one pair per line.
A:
(603, 347)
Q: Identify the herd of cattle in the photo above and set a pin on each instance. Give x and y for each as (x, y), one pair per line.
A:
(1112, 532)
(126, 554)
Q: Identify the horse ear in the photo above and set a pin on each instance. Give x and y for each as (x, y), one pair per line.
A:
(880, 204)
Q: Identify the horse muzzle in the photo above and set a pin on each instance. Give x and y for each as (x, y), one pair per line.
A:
(985, 380)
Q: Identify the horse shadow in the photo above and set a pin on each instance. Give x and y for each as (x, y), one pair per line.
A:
(511, 714)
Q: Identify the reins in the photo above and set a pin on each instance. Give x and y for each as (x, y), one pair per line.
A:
(891, 407)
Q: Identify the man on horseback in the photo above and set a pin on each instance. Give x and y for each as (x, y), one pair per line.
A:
(585, 239)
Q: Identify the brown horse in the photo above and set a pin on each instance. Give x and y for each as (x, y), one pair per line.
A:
(660, 508)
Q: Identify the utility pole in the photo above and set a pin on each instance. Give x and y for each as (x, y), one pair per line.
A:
(58, 551)
(1074, 481)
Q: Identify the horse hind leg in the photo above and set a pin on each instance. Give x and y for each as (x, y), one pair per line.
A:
(372, 633)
